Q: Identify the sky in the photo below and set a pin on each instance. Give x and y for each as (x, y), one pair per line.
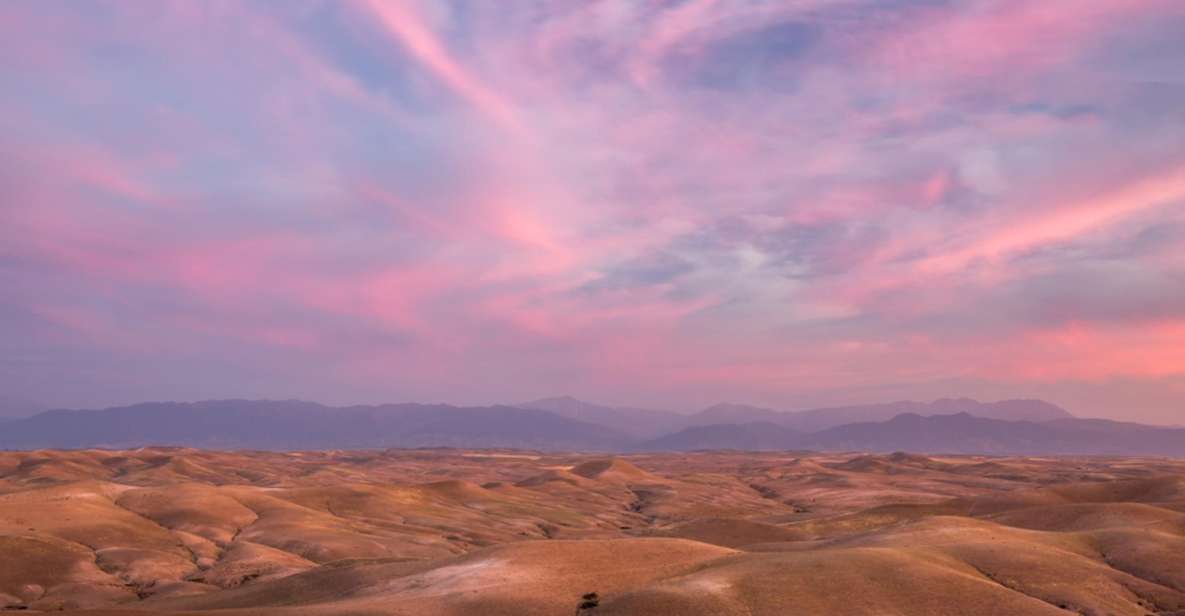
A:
(657, 203)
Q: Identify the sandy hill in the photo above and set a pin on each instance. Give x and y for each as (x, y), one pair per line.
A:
(453, 532)
(612, 469)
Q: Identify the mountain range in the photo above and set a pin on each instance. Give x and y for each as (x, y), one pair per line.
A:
(14, 408)
(294, 424)
(957, 425)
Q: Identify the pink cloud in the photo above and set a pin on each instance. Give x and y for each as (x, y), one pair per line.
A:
(1001, 40)
(860, 210)
(401, 22)
(1036, 226)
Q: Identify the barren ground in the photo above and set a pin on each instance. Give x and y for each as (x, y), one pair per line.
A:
(476, 532)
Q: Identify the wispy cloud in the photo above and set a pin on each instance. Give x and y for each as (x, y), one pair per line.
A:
(671, 202)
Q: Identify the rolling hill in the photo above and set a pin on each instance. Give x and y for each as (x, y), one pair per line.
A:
(449, 532)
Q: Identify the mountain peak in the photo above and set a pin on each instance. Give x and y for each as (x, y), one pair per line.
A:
(554, 400)
(637, 422)
(734, 406)
(565, 405)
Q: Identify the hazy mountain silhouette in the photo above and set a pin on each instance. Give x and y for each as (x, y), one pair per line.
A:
(955, 433)
(1012, 410)
(635, 422)
(15, 408)
(647, 423)
(730, 413)
(964, 433)
(757, 436)
(292, 424)
(819, 419)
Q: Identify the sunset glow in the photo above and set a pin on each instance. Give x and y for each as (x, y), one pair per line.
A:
(670, 204)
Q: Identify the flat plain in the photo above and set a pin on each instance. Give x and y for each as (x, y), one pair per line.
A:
(457, 532)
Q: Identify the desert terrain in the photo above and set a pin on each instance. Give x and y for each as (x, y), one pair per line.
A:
(460, 532)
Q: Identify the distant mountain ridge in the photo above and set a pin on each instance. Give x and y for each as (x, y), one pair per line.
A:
(999, 428)
(17, 408)
(965, 433)
(728, 412)
(293, 424)
(755, 436)
(647, 423)
(636, 422)
(959, 433)
(1009, 410)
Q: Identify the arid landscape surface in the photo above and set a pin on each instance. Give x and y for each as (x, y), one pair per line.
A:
(457, 532)
(593, 307)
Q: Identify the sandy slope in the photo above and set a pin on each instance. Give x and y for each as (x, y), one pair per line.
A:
(452, 532)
